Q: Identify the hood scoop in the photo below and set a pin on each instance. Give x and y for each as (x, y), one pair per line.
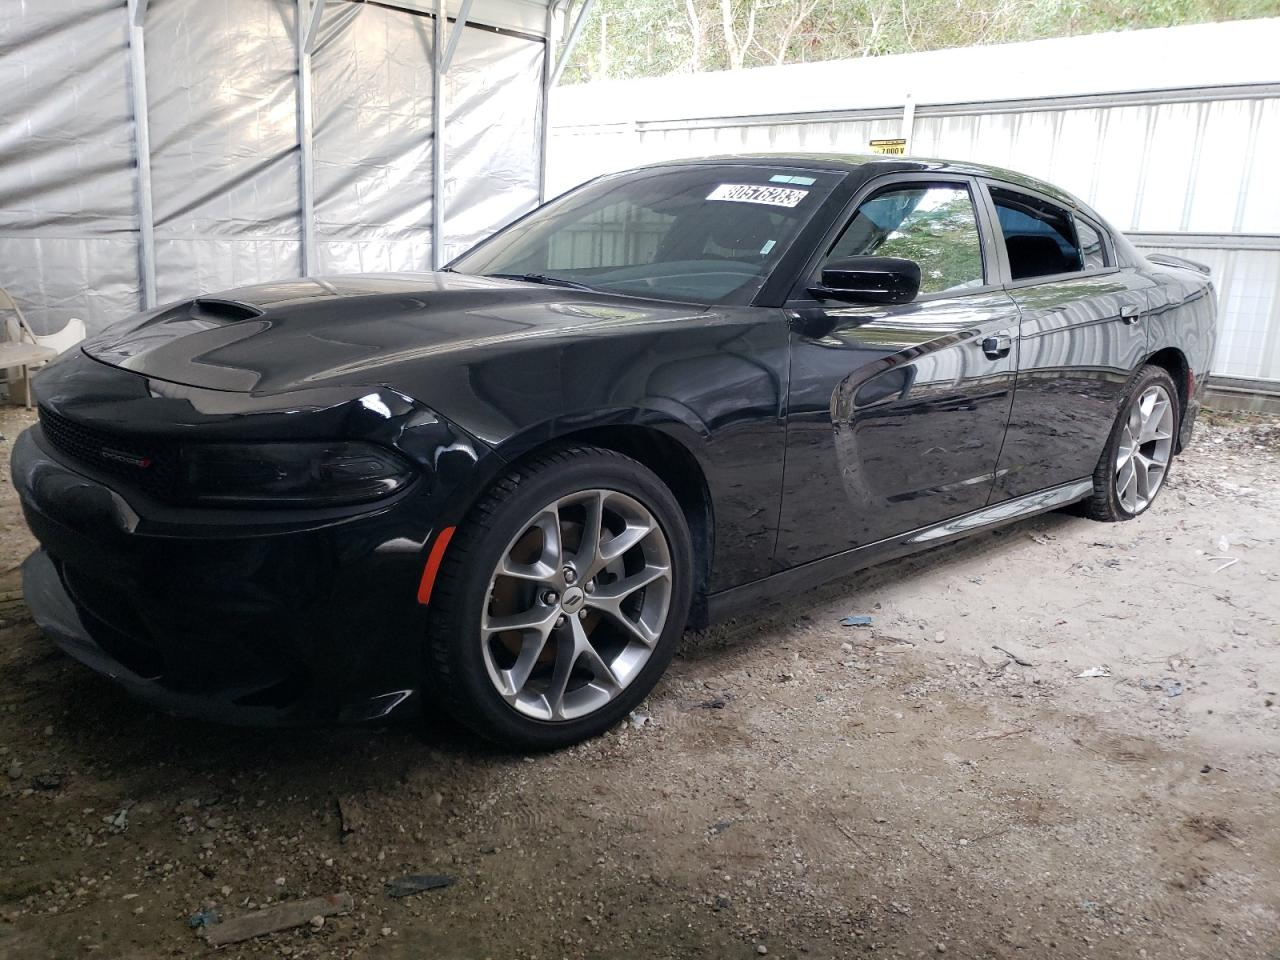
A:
(215, 311)
(177, 342)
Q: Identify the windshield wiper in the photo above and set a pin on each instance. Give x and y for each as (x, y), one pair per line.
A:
(543, 278)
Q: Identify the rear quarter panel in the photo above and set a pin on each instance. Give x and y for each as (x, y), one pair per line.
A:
(1184, 316)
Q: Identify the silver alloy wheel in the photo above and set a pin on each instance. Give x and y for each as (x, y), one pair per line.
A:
(1145, 448)
(576, 604)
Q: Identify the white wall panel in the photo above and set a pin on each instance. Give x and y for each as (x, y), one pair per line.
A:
(68, 234)
(1248, 286)
(226, 178)
(493, 95)
(1258, 209)
(224, 166)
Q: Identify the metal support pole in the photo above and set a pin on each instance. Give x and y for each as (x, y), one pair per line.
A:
(437, 141)
(307, 43)
(455, 35)
(575, 32)
(306, 149)
(908, 123)
(544, 134)
(142, 147)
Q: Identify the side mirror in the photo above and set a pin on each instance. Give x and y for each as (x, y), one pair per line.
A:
(869, 280)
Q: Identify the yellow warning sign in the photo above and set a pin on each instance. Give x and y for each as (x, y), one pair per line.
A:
(897, 146)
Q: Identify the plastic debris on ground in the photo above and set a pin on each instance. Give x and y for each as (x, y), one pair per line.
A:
(855, 621)
(1094, 672)
(418, 883)
(1169, 686)
(1019, 660)
(203, 917)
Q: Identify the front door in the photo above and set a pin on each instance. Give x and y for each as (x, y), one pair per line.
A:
(896, 415)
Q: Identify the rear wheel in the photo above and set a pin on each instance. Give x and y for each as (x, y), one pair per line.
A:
(1139, 451)
(561, 599)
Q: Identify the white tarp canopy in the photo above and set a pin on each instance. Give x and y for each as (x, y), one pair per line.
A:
(186, 146)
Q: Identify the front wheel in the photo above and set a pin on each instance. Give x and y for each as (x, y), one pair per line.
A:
(1139, 451)
(561, 599)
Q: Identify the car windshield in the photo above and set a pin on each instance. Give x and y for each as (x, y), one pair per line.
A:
(708, 234)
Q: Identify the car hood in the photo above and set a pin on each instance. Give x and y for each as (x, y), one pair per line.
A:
(300, 334)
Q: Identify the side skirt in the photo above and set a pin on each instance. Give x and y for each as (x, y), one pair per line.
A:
(731, 602)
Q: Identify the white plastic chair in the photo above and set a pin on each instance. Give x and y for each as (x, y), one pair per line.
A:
(24, 350)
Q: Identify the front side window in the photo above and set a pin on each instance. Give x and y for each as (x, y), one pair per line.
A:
(708, 234)
(932, 224)
(1039, 236)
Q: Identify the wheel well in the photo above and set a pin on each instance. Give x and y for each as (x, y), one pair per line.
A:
(1174, 362)
(681, 472)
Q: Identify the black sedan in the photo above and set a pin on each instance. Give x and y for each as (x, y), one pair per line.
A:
(507, 488)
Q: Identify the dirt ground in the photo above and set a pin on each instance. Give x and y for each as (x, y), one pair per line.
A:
(794, 787)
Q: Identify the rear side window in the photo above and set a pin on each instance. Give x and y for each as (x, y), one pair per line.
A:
(1095, 255)
(1039, 237)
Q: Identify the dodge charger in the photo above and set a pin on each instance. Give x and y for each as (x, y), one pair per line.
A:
(507, 488)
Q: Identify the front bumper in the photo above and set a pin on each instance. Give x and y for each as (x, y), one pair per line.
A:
(295, 622)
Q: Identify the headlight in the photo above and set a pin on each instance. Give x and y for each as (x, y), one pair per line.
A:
(290, 474)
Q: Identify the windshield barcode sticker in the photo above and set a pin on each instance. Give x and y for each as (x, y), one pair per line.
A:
(758, 193)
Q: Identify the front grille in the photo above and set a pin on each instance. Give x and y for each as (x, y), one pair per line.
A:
(151, 466)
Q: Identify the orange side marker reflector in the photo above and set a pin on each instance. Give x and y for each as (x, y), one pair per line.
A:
(433, 565)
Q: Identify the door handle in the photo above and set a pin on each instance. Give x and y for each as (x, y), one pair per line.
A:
(998, 346)
(1130, 314)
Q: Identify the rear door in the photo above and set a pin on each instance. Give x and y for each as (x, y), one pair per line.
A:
(1081, 336)
(896, 414)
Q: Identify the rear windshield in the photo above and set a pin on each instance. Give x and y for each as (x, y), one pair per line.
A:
(697, 233)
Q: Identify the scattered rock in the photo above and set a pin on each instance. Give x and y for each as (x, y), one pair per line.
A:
(47, 781)
(351, 813)
(118, 821)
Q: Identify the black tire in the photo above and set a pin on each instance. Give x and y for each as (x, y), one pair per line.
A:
(460, 594)
(1105, 502)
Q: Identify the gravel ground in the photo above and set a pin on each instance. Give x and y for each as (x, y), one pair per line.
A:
(942, 781)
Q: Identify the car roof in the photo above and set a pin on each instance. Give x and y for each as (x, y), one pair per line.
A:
(873, 165)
